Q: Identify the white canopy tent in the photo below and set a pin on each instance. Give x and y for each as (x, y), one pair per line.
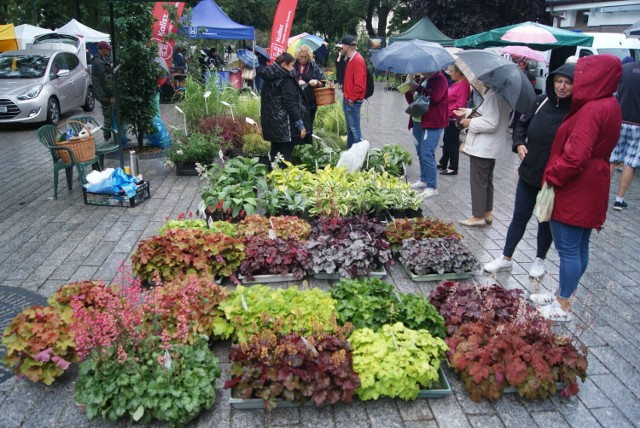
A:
(25, 34)
(78, 29)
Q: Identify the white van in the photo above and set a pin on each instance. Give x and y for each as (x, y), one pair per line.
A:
(603, 43)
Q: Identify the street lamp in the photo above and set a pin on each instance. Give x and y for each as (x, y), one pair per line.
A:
(206, 104)
(184, 118)
(224, 103)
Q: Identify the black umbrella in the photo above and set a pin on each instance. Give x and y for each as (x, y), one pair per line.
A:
(261, 51)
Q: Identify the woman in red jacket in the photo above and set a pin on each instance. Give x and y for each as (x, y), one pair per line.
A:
(578, 169)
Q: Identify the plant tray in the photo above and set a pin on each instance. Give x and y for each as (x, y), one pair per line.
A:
(436, 276)
(267, 279)
(186, 169)
(143, 193)
(373, 274)
(514, 390)
(441, 389)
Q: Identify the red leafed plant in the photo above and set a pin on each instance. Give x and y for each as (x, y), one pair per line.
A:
(293, 368)
(419, 228)
(229, 129)
(283, 226)
(275, 256)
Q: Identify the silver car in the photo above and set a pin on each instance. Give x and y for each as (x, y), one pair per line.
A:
(38, 85)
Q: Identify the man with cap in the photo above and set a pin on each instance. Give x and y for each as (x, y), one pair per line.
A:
(354, 88)
(102, 83)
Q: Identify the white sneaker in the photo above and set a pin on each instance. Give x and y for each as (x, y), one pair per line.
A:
(542, 299)
(554, 312)
(537, 268)
(418, 185)
(430, 192)
(499, 263)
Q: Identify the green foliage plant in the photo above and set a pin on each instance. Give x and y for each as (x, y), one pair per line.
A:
(253, 309)
(183, 224)
(224, 227)
(294, 368)
(185, 251)
(314, 157)
(390, 158)
(254, 145)
(372, 303)
(395, 361)
(331, 118)
(419, 228)
(197, 147)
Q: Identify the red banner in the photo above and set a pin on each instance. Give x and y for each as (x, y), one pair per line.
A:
(282, 22)
(163, 27)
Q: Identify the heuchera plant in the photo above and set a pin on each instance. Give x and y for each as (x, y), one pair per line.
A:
(436, 256)
(396, 361)
(283, 226)
(372, 303)
(180, 252)
(352, 246)
(418, 228)
(294, 368)
(274, 256)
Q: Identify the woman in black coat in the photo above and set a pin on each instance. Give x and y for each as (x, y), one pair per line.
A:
(284, 115)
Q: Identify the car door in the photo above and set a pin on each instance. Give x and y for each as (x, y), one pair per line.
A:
(62, 86)
(78, 79)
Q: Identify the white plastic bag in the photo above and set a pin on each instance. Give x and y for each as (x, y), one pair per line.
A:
(353, 159)
(95, 177)
(544, 203)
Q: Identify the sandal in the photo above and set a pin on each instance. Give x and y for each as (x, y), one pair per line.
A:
(542, 299)
(554, 312)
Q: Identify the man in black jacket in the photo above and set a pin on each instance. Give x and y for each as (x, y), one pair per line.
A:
(101, 78)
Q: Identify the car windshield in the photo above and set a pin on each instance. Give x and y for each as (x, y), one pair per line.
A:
(23, 66)
(619, 52)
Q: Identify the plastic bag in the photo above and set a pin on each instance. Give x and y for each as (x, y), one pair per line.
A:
(544, 203)
(161, 138)
(118, 182)
(95, 177)
(353, 159)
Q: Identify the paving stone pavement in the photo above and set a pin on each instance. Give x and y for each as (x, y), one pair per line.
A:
(45, 243)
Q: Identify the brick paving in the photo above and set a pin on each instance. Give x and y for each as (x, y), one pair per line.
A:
(45, 243)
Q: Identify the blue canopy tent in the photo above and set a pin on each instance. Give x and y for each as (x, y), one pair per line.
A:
(208, 21)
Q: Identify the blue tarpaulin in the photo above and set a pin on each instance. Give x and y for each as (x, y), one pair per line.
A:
(208, 21)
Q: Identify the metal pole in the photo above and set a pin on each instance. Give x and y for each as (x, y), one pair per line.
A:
(120, 129)
(112, 30)
(35, 16)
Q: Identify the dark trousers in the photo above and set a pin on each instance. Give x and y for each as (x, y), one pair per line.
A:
(450, 150)
(106, 116)
(285, 148)
(522, 212)
(481, 178)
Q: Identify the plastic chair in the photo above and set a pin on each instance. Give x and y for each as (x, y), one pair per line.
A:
(47, 137)
(102, 147)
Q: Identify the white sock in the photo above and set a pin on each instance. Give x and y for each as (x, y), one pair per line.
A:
(619, 199)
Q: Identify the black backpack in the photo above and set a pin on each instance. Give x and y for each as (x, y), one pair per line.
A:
(370, 84)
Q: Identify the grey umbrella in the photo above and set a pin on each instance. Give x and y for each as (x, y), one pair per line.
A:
(633, 30)
(498, 73)
(413, 56)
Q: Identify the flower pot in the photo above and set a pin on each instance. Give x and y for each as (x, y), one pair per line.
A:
(186, 169)
(441, 389)
(435, 276)
(267, 279)
(373, 274)
(408, 213)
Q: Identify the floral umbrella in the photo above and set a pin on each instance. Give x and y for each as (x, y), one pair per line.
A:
(314, 42)
(524, 52)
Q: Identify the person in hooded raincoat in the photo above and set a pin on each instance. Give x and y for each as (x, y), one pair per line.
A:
(284, 116)
(578, 170)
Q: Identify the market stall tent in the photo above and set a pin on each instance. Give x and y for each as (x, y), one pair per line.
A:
(78, 29)
(208, 21)
(25, 34)
(7, 38)
(423, 30)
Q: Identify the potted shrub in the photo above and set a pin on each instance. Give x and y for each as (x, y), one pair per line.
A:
(273, 260)
(398, 362)
(271, 367)
(199, 148)
(435, 259)
(254, 146)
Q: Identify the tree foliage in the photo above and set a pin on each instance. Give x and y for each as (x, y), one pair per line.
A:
(461, 18)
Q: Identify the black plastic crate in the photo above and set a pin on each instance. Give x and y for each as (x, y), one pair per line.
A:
(143, 192)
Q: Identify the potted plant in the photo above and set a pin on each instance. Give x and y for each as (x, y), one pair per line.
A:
(230, 129)
(391, 158)
(187, 151)
(284, 227)
(273, 260)
(254, 146)
(434, 259)
(398, 362)
(418, 228)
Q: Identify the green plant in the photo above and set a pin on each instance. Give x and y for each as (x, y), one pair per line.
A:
(395, 361)
(329, 139)
(284, 227)
(40, 344)
(231, 130)
(172, 385)
(419, 228)
(315, 158)
(229, 229)
(254, 145)
(331, 118)
(183, 224)
(372, 303)
(257, 308)
(390, 158)
(184, 251)
(197, 147)
(437, 256)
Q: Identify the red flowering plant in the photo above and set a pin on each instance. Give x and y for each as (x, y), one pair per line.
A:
(497, 340)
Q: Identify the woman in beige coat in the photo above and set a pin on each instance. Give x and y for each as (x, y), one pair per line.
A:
(486, 140)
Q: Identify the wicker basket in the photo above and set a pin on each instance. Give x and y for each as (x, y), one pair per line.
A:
(83, 148)
(325, 95)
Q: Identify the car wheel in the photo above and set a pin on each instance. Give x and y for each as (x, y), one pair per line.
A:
(90, 101)
(53, 111)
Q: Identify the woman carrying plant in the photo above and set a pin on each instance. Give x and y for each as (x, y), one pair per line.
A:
(308, 74)
(458, 95)
(532, 139)
(578, 170)
(284, 115)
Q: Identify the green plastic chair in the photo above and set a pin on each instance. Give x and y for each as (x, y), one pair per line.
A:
(47, 137)
(102, 147)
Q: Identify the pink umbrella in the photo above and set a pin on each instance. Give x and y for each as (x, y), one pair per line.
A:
(529, 33)
(524, 52)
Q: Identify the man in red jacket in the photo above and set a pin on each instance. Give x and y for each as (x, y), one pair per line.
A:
(354, 88)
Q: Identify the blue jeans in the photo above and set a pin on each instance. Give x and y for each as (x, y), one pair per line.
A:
(352, 118)
(426, 144)
(522, 211)
(572, 243)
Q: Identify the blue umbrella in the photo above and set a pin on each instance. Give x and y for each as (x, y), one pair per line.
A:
(247, 57)
(262, 51)
(413, 56)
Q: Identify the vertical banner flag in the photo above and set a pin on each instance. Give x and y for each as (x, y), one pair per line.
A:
(281, 28)
(162, 27)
